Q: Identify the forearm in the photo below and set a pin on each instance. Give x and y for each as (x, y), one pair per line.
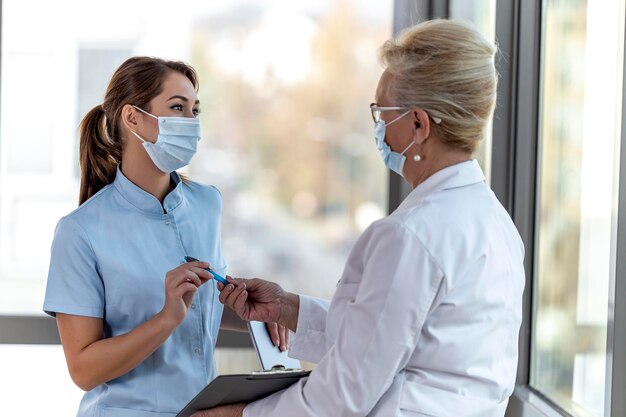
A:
(110, 358)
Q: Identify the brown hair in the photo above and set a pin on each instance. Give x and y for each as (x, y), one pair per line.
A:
(137, 81)
(447, 68)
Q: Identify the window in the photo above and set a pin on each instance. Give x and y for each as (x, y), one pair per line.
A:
(287, 135)
(580, 124)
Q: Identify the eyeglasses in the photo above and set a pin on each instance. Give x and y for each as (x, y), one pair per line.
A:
(377, 112)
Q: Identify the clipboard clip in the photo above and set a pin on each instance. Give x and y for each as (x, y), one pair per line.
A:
(278, 371)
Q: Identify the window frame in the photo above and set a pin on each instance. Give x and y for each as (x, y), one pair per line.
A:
(616, 335)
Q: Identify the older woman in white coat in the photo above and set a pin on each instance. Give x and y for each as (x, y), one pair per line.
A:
(425, 318)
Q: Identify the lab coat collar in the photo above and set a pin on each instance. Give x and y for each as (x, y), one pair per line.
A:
(457, 175)
(143, 200)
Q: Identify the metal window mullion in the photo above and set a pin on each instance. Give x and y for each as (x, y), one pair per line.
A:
(439, 9)
(502, 151)
(503, 128)
(526, 145)
(616, 326)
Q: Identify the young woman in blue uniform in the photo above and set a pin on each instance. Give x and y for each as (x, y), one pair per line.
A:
(138, 324)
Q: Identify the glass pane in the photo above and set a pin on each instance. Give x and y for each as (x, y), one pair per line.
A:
(287, 135)
(290, 137)
(576, 214)
(481, 13)
(285, 89)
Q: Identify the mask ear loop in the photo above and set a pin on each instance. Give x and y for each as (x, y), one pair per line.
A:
(407, 148)
(398, 118)
(138, 137)
(149, 114)
(143, 111)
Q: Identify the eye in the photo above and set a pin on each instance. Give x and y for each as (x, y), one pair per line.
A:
(177, 107)
(196, 112)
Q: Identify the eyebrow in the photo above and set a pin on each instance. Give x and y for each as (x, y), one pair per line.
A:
(185, 99)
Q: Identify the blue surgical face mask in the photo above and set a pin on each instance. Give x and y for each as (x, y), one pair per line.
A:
(176, 143)
(393, 160)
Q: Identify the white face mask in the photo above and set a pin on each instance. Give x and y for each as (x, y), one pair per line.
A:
(394, 160)
(176, 143)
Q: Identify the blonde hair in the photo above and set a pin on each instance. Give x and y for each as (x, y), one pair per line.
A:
(445, 67)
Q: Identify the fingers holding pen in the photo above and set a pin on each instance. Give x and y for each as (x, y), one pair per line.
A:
(202, 273)
(234, 294)
(231, 280)
(183, 283)
(239, 298)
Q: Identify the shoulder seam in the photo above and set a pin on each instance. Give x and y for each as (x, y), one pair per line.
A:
(80, 226)
(93, 197)
(410, 232)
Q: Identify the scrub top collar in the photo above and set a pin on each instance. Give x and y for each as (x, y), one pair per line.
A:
(457, 175)
(143, 200)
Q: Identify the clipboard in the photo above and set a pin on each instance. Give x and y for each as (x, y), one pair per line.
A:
(279, 372)
(231, 389)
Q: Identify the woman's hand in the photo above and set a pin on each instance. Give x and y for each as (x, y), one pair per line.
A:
(232, 410)
(260, 300)
(181, 284)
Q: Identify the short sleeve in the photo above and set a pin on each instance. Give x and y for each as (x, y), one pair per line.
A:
(74, 284)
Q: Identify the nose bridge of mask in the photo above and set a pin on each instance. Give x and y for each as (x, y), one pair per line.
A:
(179, 126)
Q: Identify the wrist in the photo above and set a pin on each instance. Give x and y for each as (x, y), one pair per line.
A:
(165, 321)
(289, 311)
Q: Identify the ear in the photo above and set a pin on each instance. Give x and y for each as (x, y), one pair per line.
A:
(130, 118)
(421, 124)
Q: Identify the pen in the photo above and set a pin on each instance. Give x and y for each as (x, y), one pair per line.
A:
(216, 276)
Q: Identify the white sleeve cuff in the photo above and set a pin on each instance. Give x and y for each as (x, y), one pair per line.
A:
(308, 343)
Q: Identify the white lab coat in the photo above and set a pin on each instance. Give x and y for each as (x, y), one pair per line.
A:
(425, 318)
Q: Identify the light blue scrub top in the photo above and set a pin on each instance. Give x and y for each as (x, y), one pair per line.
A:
(109, 260)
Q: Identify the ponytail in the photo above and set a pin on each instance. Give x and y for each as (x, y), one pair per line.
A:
(99, 154)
